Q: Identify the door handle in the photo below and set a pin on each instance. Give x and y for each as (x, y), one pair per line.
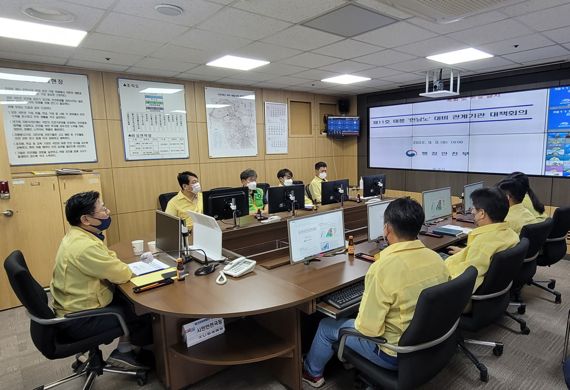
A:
(8, 213)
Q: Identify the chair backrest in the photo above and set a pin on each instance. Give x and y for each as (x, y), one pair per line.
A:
(504, 267)
(554, 250)
(298, 182)
(163, 199)
(308, 192)
(34, 299)
(537, 233)
(437, 310)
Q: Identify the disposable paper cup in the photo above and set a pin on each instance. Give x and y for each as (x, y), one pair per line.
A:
(138, 247)
(151, 246)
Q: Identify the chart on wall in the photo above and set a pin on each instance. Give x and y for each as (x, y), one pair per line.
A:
(153, 118)
(230, 117)
(276, 128)
(47, 117)
(526, 131)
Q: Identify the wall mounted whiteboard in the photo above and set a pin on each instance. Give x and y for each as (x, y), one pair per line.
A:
(153, 118)
(47, 121)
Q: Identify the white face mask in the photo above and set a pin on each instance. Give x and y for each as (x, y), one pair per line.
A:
(196, 187)
(288, 182)
(323, 175)
(252, 185)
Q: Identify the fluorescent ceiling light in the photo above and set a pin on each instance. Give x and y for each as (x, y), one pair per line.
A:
(23, 77)
(17, 92)
(166, 91)
(345, 79)
(10, 102)
(11, 28)
(248, 97)
(179, 111)
(217, 105)
(459, 56)
(239, 63)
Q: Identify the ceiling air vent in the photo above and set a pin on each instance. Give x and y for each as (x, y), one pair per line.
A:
(447, 11)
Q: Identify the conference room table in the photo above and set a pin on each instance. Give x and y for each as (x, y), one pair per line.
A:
(261, 310)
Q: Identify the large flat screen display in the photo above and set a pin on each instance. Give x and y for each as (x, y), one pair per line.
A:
(526, 131)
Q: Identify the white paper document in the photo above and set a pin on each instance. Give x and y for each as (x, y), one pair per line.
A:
(455, 227)
(140, 268)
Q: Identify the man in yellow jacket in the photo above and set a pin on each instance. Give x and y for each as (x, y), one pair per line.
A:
(189, 198)
(315, 185)
(84, 276)
(391, 290)
(492, 235)
(518, 215)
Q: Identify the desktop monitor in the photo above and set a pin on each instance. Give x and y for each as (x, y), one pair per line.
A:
(467, 191)
(217, 203)
(330, 191)
(281, 198)
(374, 185)
(315, 235)
(168, 233)
(343, 125)
(437, 203)
(376, 220)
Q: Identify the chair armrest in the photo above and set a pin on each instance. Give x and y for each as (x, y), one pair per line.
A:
(345, 332)
(563, 238)
(105, 311)
(492, 295)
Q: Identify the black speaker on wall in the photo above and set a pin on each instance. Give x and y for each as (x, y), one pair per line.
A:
(343, 106)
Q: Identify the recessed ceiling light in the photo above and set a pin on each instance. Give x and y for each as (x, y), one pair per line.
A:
(11, 28)
(345, 79)
(54, 15)
(10, 102)
(459, 56)
(17, 92)
(168, 9)
(166, 91)
(23, 77)
(217, 105)
(239, 63)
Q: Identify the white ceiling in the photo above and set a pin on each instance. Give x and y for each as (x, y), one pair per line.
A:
(130, 36)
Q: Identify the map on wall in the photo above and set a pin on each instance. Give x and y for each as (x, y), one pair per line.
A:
(230, 116)
(47, 117)
(154, 120)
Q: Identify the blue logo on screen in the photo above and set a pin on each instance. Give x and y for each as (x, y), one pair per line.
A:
(411, 153)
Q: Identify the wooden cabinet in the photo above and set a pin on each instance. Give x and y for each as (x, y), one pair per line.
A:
(37, 224)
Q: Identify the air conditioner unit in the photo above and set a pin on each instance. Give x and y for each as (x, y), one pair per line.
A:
(447, 11)
(442, 82)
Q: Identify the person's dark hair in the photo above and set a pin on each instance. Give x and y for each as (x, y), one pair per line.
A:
(493, 201)
(523, 179)
(406, 217)
(320, 164)
(513, 188)
(284, 172)
(80, 204)
(184, 177)
(247, 174)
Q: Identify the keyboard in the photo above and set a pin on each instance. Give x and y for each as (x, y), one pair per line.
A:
(465, 218)
(347, 296)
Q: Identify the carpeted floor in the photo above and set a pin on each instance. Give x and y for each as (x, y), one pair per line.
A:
(528, 362)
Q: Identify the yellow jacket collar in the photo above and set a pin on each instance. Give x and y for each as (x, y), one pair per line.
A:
(402, 246)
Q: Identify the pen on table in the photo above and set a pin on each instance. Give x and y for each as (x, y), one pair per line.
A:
(150, 286)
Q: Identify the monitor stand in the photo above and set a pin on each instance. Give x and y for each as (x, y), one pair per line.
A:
(308, 261)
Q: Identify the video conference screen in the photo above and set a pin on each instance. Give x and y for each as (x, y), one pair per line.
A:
(526, 131)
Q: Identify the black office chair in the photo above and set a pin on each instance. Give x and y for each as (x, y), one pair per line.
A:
(298, 182)
(491, 299)
(537, 233)
(51, 340)
(308, 192)
(428, 343)
(163, 199)
(554, 249)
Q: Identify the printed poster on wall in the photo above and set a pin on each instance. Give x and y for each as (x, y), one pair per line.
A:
(276, 128)
(154, 120)
(230, 116)
(47, 117)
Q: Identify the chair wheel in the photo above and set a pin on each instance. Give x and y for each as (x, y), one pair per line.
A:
(142, 377)
(39, 387)
(498, 350)
(484, 376)
(552, 284)
(558, 299)
(525, 330)
(521, 309)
